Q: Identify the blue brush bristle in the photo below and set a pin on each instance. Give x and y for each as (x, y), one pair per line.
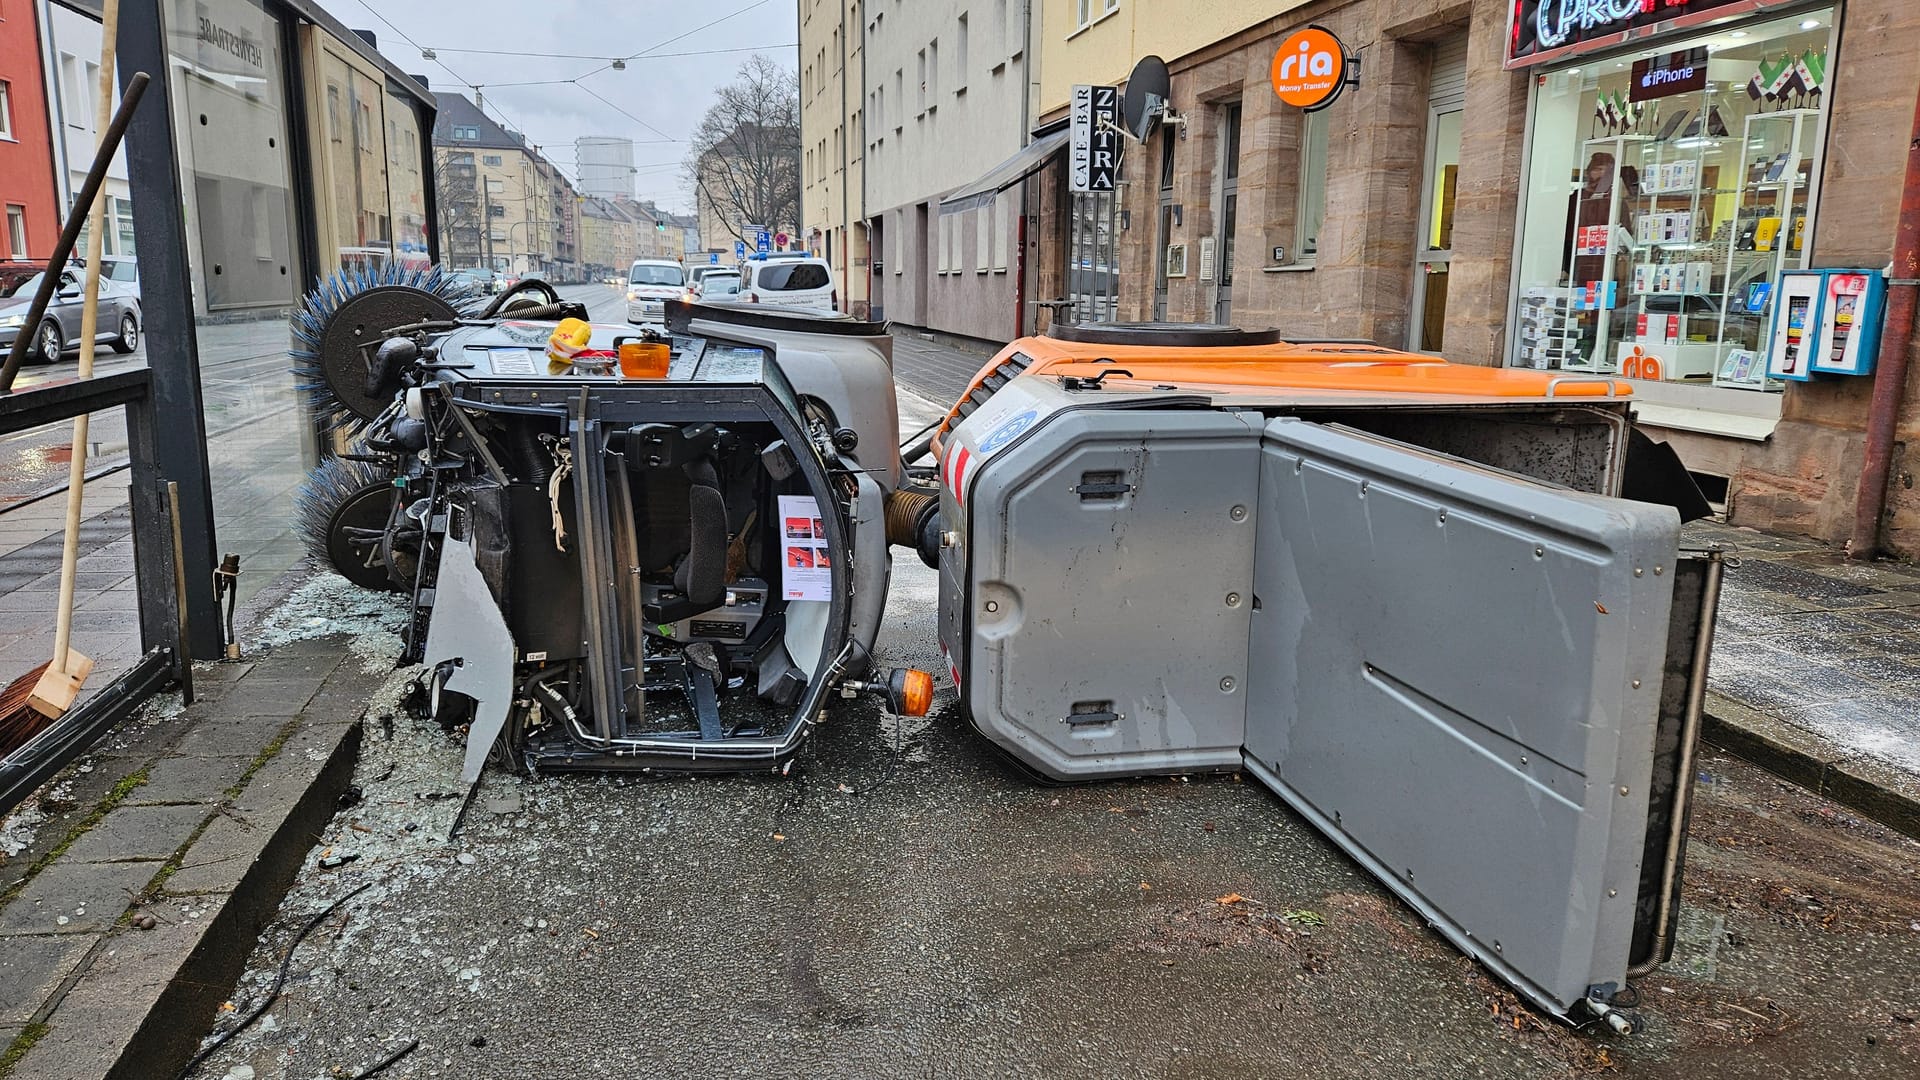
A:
(308, 326)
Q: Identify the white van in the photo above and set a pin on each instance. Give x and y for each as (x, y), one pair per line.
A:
(650, 284)
(787, 282)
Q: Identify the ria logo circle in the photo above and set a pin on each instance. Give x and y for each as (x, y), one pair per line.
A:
(1309, 68)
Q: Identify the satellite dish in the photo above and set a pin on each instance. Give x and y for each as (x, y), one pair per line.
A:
(1146, 100)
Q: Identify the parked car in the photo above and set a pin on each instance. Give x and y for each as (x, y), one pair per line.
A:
(698, 273)
(122, 270)
(13, 273)
(650, 284)
(789, 282)
(718, 285)
(59, 330)
(480, 279)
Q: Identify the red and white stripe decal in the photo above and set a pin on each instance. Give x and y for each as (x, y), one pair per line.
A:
(955, 478)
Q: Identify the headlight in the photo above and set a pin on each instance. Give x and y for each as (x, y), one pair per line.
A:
(9, 321)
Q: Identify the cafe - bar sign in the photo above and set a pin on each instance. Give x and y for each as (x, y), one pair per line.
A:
(1546, 26)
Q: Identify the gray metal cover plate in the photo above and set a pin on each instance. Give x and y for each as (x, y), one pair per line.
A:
(1455, 674)
(1135, 603)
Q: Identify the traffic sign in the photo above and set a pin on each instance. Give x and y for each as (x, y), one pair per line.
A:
(739, 249)
(713, 257)
(763, 241)
(780, 240)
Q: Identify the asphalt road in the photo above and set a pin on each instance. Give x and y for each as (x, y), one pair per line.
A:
(904, 904)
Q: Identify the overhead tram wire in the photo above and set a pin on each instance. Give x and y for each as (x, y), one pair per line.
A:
(608, 60)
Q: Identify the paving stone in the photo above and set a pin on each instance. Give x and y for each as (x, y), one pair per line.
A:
(30, 969)
(99, 1016)
(273, 697)
(195, 779)
(137, 832)
(293, 666)
(221, 856)
(242, 736)
(102, 890)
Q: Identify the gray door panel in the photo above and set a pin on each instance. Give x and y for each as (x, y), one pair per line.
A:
(1455, 672)
(1111, 582)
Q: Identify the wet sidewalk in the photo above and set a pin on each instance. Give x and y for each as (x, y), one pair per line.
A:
(1816, 669)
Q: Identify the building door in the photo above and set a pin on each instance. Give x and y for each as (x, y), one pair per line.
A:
(1433, 248)
(1164, 236)
(1229, 210)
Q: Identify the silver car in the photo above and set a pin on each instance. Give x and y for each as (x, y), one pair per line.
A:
(59, 329)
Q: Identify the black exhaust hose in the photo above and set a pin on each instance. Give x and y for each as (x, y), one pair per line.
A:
(703, 573)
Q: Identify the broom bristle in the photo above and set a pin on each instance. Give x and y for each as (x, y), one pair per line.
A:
(18, 720)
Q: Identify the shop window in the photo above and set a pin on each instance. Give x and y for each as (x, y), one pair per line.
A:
(1668, 189)
(1312, 209)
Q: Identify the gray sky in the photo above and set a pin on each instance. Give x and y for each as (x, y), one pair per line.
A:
(573, 37)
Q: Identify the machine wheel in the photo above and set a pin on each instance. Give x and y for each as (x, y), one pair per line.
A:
(129, 336)
(344, 508)
(50, 342)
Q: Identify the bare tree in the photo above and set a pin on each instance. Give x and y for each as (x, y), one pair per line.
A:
(457, 200)
(745, 157)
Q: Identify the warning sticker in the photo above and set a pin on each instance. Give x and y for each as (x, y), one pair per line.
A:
(806, 568)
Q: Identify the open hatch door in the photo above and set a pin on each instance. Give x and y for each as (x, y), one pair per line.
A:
(1457, 674)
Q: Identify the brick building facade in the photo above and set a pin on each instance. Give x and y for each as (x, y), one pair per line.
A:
(29, 205)
(1443, 202)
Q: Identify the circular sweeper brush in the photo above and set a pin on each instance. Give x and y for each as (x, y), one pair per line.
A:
(344, 508)
(342, 322)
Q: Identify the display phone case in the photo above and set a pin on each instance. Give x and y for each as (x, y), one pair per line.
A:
(1716, 127)
(1673, 124)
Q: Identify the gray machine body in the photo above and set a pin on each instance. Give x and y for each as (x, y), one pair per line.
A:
(1453, 670)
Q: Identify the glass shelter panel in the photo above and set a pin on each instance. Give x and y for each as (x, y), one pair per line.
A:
(228, 85)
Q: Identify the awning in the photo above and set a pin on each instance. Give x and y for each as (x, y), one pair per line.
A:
(1006, 174)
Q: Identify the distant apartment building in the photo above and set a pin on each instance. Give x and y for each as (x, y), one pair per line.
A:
(609, 239)
(502, 204)
(944, 108)
(70, 47)
(831, 114)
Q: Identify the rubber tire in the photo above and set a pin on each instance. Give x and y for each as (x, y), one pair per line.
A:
(129, 336)
(49, 333)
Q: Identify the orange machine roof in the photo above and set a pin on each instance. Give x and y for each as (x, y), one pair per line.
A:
(1313, 369)
(1354, 368)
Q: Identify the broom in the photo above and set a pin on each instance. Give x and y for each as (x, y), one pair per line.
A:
(44, 694)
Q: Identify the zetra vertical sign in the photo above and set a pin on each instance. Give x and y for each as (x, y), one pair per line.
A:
(1094, 141)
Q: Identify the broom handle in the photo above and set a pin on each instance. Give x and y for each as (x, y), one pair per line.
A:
(89, 326)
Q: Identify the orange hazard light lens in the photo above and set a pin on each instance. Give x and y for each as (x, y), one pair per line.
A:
(644, 359)
(916, 693)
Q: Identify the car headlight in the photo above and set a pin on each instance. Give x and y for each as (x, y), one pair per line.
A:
(10, 321)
